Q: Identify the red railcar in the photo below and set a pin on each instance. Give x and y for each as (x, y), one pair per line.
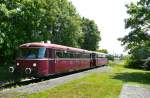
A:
(42, 59)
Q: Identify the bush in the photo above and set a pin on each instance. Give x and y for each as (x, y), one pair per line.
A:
(136, 60)
(130, 63)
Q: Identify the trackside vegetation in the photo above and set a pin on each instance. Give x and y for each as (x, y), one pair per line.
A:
(97, 85)
(7, 77)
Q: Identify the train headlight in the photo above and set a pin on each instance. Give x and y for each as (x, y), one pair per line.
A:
(28, 70)
(11, 69)
(18, 64)
(34, 64)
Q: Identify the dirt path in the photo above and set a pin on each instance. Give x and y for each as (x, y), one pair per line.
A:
(129, 91)
(37, 87)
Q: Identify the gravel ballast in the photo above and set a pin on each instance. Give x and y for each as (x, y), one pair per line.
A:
(44, 85)
(129, 91)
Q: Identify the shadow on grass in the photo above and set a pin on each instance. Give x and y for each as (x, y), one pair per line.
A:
(138, 77)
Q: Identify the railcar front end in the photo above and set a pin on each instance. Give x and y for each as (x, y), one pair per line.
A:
(32, 61)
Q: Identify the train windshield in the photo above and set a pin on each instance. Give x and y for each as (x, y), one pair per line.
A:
(33, 53)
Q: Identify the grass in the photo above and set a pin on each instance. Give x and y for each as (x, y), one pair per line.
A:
(97, 85)
(92, 86)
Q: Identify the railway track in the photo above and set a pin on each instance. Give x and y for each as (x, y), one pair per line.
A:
(36, 80)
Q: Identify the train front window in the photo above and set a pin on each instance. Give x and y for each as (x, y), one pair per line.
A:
(33, 53)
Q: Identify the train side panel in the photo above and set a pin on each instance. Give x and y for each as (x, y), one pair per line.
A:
(67, 65)
(102, 61)
(51, 66)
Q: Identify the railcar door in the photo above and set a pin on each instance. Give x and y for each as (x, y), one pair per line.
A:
(51, 58)
(93, 59)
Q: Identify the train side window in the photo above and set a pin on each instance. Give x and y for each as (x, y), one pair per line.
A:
(79, 55)
(66, 55)
(71, 55)
(88, 55)
(41, 52)
(59, 54)
(76, 55)
(102, 56)
(84, 55)
(93, 55)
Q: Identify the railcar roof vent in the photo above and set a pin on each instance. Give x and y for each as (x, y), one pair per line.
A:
(49, 42)
(42, 41)
(28, 44)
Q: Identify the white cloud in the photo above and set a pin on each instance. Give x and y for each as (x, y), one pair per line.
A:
(109, 15)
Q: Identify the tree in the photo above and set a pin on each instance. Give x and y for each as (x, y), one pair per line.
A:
(23, 21)
(139, 23)
(91, 35)
(138, 40)
(66, 28)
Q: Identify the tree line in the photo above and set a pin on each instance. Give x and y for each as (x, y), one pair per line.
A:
(23, 21)
(137, 42)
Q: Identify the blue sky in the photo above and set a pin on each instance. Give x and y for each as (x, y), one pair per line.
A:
(109, 15)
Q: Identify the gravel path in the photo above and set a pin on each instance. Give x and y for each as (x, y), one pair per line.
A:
(37, 87)
(129, 91)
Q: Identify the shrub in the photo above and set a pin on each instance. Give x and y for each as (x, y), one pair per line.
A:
(131, 63)
(136, 60)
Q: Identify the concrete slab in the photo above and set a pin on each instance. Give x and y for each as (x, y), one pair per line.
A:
(130, 91)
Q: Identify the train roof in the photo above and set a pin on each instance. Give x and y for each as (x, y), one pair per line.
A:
(53, 46)
(99, 53)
